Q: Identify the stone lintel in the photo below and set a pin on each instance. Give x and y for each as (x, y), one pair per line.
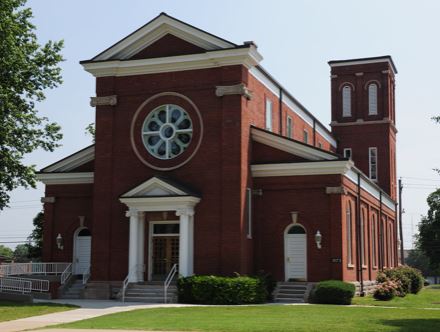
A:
(237, 89)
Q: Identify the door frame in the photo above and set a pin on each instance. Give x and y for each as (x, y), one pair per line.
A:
(150, 242)
(286, 230)
(74, 254)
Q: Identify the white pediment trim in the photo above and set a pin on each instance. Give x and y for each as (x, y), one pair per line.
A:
(73, 161)
(66, 178)
(156, 29)
(290, 146)
(154, 187)
(160, 203)
(247, 56)
(298, 169)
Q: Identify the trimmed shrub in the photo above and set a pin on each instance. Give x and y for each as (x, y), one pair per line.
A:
(386, 290)
(221, 290)
(333, 292)
(268, 281)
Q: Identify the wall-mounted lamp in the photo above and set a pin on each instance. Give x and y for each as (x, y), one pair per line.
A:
(60, 242)
(294, 216)
(318, 239)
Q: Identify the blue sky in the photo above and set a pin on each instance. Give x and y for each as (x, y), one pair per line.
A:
(296, 39)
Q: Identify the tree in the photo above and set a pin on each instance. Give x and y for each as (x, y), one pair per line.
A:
(26, 70)
(91, 130)
(428, 239)
(21, 253)
(6, 252)
(416, 258)
(35, 246)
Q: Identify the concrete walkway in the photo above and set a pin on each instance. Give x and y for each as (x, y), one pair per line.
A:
(88, 309)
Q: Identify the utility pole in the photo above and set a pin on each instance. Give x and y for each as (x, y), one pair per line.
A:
(402, 259)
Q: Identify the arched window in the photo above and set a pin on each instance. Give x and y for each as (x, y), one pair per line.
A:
(362, 233)
(296, 229)
(348, 222)
(372, 99)
(346, 101)
(373, 238)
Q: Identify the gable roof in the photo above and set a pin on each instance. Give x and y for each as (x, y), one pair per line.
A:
(71, 162)
(158, 187)
(291, 146)
(154, 30)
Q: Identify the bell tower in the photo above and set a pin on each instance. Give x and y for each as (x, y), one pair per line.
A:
(363, 116)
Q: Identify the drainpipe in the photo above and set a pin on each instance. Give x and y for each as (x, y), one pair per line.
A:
(314, 132)
(358, 233)
(280, 109)
(380, 232)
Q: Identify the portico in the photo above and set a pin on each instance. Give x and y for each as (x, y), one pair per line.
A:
(159, 195)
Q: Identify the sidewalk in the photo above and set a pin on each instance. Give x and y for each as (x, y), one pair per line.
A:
(88, 309)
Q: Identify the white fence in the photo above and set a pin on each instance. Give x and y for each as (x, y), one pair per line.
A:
(18, 285)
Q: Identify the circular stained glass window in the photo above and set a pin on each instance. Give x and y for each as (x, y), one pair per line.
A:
(167, 131)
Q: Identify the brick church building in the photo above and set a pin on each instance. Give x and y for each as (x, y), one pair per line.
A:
(202, 159)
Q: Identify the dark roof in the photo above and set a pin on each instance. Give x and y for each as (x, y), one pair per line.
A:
(384, 57)
(71, 155)
(299, 142)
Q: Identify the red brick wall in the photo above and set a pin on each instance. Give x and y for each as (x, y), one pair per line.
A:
(362, 130)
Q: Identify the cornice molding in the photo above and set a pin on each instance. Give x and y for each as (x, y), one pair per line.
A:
(298, 169)
(73, 161)
(66, 178)
(246, 56)
(361, 122)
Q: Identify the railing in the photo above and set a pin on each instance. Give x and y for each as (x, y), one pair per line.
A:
(19, 285)
(168, 281)
(32, 268)
(133, 271)
(37, 285)
(86, 275)
(66, 274)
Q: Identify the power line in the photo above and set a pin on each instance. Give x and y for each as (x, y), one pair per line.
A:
(417, 178)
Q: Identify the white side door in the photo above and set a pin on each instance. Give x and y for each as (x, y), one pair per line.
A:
(82, 253)
(296, 256)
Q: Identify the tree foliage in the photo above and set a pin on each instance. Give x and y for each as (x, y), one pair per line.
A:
(428, 239)
(26, 70)
(21, 253)
(35, 246)
(6, 252)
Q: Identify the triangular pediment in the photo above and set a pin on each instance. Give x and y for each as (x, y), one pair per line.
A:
(158, 28)
(157, 187)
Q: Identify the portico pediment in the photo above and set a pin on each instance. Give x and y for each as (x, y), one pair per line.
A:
(159, 194)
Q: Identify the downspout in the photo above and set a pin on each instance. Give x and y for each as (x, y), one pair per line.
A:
(280, 110)
(314, 132)
(358, 237)
(380, 232)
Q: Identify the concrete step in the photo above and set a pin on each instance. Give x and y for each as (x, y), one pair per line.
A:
(289, 301)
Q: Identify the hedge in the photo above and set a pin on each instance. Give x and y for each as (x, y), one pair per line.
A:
(333, 292)
(221, 290)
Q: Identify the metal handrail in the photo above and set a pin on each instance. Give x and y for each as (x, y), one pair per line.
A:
(168, 281)
(15, 285)
(32, 268)
(38, 285)
(135, 269)
(66, 274)
(86, 275)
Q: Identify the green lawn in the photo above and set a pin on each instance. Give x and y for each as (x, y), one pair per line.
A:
(269, 318)
(12, 310)
(428, 297)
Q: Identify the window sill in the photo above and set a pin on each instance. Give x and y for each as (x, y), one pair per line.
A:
(350, 266)
(364, 267)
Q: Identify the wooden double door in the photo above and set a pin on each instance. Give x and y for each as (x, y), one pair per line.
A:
(165, 255)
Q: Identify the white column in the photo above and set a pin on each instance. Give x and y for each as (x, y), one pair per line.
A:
(133, 243)
(185, 261)
(191, 245)
(141, 247)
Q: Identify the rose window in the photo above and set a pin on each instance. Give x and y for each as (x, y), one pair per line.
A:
(167, 131)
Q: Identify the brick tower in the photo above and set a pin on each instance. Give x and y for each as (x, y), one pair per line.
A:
(363, 116)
